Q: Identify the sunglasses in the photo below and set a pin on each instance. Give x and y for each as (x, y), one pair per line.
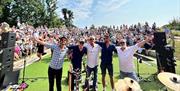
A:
(106, 38)
(81, 42)
(121, 42)
(91, 39)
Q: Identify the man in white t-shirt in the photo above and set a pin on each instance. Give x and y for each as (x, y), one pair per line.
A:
(125, 55)
(93, 51)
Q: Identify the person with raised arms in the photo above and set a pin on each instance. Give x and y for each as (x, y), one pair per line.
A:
(106, 60)
(56, 64)
(125, 55)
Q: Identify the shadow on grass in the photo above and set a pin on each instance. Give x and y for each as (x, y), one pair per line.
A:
(151, 83)
(65, 81)
(148, 83)
(35, 79)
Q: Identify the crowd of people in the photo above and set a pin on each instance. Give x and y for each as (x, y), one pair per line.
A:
(76, 42)
(24, 44)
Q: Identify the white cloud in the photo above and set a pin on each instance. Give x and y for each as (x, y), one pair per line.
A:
(88, 10)
(111, 5)
(80, 8)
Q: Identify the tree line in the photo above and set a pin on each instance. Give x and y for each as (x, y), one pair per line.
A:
(174, 24)
(34, 12)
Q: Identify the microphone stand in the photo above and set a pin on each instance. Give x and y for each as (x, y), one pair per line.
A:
(24, 85)
(139, 60)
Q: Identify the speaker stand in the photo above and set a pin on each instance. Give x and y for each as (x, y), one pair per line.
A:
(141, 79)
(24, 85)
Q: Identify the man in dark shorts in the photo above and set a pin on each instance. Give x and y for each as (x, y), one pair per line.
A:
(77, 53)
(106, 60)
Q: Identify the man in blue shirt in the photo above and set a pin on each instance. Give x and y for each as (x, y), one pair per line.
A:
(77, 53)
(106, 60)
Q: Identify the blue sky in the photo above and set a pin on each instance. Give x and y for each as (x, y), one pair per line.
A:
(117, 12)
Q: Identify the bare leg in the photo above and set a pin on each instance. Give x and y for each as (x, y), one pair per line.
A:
(112, 82)
(103, 81)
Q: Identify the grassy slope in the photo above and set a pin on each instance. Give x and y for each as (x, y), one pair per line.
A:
(177, 49)
(38, 71)
(176, 32)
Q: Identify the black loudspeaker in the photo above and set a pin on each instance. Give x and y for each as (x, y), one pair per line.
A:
(6, 60)
(165, 59)
(7, 55)
(11, 78)
(8, 39)
(170, 66)
(4, 69)
(6, 63)
(7, 43)
(159, 39)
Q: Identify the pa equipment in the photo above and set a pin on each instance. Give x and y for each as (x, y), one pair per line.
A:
(159, 39)
(164, 53)
(165, 59)
(6, 55)
(6, 62)
(7, 39)
(7, 43)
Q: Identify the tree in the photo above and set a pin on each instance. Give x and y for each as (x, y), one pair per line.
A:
(3, 3)
(5, 12)
(92, 26)
(68, 17)
(34, 12)
(51, 7)
(64, 12)
(174, 24)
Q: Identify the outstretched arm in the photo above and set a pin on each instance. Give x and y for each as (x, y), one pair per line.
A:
(140, 44)
(39, 41)
(47, 45)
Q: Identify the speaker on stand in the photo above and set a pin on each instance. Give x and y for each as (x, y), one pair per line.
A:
(7, 43)
(164, 53)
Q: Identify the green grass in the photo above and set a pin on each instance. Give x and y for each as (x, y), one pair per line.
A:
(38, 81)
(176, 32)
(177, 49)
